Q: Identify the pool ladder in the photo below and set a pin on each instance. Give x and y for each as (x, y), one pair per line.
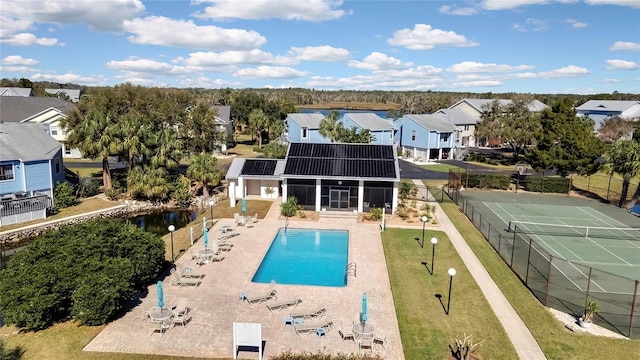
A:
(351, 269)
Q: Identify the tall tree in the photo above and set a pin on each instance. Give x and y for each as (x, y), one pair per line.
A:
(354, 136)
(330, 127)
(204, 170)
(616, 128)
(258, 122)
(566, 142)
(623, 158)
(133, 136)
(199, 131)
(148, 182)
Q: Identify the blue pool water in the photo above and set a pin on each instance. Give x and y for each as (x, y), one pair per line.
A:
(306, 257)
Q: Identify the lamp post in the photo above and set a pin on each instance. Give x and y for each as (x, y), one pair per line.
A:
(452, 273)
(424, 222)
(211, 208)
(434, 241)
(171, 230)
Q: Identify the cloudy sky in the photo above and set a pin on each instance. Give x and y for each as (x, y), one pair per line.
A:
(533, 46)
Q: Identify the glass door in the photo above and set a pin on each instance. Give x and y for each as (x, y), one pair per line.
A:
(339, 199)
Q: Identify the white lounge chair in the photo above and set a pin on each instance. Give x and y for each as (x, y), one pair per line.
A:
(283, 304)
(188, 273)
(177, 280)
(308, 328)
(240, 221)
(345, 334)
(271, 294)
(158, 327)
(309, 314)
(181, 317)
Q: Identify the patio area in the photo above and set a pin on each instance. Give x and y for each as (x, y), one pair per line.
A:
(215, 305)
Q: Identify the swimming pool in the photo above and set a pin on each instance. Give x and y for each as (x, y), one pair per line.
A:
(306, 257)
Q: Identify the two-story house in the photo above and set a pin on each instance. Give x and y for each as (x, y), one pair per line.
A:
(305, 128)
(223, 122)
(73, 94)
(600, 110)
(382, 130)
(47, 111)
(15, 91)
(465, 123)
(428, 137)
(30, 166)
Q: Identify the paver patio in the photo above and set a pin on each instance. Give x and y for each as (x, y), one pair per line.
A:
(215, 303)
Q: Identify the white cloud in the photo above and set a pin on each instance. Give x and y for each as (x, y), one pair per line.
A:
(570, 71)
(97, 14)
(617, 64)
(420, 72)
(379, 61)
(66, 78)
(320, 53)
(476, 83)
(18, 60)
(308, 10)
(229, 58)
(575, 24)
(205, 82)
(424, 37)
(631, 3)
(507, 5)
(462, 11)
(10, 26)
(625, 45)
(27, 39)
(269, 72)
(472, 67)
(16, 69)
(146, 66)
(610, 80)
(531, 25)
(159, 30)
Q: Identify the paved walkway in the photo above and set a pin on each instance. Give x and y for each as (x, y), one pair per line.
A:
(521, 338)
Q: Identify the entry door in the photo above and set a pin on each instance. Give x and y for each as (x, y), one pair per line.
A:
(339, 199)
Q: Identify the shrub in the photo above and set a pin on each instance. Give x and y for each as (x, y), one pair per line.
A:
(547, 184)
(289, 207)
(6, 353)
(113, 193)
(182, 191)
(402, 212)
(302, 214)
(375, 214)
(404, 190)
(88, 187)
(486, 181)
(86, 271)
(64, 195)
(288, 355)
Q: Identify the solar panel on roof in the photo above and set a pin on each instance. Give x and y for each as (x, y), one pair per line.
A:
(259, 167)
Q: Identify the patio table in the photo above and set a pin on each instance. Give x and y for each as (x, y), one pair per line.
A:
(160, 315)
(363, 330)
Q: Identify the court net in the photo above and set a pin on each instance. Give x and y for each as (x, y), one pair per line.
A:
(614, 233)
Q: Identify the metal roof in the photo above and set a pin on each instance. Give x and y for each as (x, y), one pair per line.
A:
(607, 105)
(458, 117)
(370, 121)
(26, 142)
(223, 115)
(433, 122)
(533, 106)
(310, 121)
(235, 168)
(18, 108)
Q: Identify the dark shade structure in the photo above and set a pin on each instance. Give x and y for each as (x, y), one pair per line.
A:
(259, 167)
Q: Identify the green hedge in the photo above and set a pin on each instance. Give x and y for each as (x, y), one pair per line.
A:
(547, 184)
(85, 271)
(486, 181)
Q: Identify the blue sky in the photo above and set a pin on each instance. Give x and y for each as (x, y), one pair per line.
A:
(525, 46)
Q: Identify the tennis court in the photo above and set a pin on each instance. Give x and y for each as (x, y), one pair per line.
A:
(566, 249)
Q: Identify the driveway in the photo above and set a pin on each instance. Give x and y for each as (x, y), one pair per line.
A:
(412, 171)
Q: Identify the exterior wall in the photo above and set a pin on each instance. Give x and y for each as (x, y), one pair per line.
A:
(38, 177)
(468, 134)
(467, 108)
(274, 185)
(295, 134)
(17, 184)
(422, 138)
(383, 137)
(253, 186)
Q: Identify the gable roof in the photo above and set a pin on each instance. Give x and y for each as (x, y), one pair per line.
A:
(26, 142)
(458, 117)
(17, 108)
(355, 161)
(73, 94)
(477, 104)
(369, 121)
(223, 115)
(262, 168)
(15, 91)
(433, 122)
(311, 121)
(607, 105)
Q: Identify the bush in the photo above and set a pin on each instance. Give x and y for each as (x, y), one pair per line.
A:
(64, 195)
(486, 181)
(257, 149)
(85, 271)
(289, 207)
(402, 212)
(10, 354)
(547, 184)
(375, 214)
(88, 187)
(113, 193)
(182, 191)
(288, 355)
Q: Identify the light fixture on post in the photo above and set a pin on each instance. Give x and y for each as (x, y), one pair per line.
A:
(424, 222)
(171, 230)
(211, 202)
(434, 241)
(452, 273)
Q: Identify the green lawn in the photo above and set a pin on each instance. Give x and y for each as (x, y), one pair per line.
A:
(440, 167)
(425, 328)
(555, 340)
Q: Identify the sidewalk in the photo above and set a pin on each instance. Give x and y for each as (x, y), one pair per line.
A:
(523, 342)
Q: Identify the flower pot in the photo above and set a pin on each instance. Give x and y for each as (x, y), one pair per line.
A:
(585, 324)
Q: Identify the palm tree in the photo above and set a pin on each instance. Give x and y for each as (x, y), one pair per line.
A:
(134, 134)
(165, 148)
(330, 127)
(148, 182)
(258, 121)
(624, 158)
(204, 170)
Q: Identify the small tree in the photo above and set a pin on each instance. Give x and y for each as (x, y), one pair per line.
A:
(182, 191)
(404, 191)
(7, 353)
(274, 150)
(289, 207)
(64, 195)
(591, 308)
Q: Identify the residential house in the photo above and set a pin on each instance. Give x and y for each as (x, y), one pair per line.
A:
(30, 166)
(73, 94)
(340, 177)
(223, 121)
(429, 137)
(382, 130)
(474, 109)
(465, 123)
(47, 111)
(304, 128)
(599, 110)
(15, 91)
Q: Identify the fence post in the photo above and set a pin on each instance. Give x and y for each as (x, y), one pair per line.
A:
(546, 295)
(526, 277)
(513, 246)
(588, 285)
(633, 306)
(589, 183)
(609, 186)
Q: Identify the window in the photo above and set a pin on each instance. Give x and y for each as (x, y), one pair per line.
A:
(444, 137)
(466, 128)
(54, 130)
(56, 162)
(413, 135)
(67, 151)
(6, 172)
(305, 133)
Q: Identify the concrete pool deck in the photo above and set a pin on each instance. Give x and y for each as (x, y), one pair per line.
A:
(215, 304)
